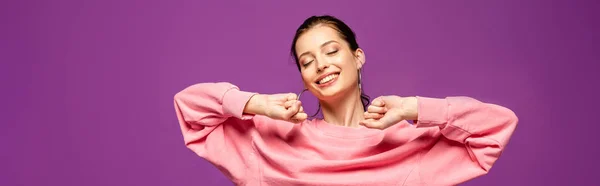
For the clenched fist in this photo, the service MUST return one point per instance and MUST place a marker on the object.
(277, 106)
(386, 111)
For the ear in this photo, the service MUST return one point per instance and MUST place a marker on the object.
(360, 56)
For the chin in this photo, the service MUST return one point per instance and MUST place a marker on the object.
(331, 92)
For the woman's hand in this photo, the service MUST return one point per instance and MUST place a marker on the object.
(277, 106)
(386, 111)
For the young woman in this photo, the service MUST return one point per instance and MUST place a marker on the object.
(267, 139)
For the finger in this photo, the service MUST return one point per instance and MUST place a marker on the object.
(373, 123)
(289, 103)
(376, 109)
(297, 121)
(292, 96)
(378, 102)
(370, 123)
(299, 116)
(301, 109)
(365, 122)
(370, 115)
(292, 110)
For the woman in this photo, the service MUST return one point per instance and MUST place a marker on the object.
(266, 139)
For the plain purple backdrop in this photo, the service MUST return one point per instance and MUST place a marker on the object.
(88, 86)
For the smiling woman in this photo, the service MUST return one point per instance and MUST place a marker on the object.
(330, 62)
(327, 47)
(267, 139)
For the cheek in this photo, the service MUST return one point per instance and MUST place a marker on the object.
(350, 75)
(306, 78)
(348, 66)
(346, 63)
(344, 60)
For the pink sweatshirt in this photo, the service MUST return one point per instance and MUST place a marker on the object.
(455, 140)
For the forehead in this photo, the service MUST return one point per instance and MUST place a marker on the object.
(314, 37)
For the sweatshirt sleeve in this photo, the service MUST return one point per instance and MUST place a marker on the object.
(474, 135)
(214, 126)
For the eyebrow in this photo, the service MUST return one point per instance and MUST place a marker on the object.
(322, 45)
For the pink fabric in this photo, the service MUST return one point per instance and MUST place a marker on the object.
(455, 140)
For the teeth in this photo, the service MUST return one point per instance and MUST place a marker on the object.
(328, 78)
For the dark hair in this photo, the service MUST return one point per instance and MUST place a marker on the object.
(345, 33)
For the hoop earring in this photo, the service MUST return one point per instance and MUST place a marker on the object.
(301, 93)
(318, 106)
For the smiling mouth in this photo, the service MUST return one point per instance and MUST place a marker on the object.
(327, 79)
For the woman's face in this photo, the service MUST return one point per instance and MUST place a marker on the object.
(328, 66)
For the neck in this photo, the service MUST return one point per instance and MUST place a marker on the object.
(345, 110)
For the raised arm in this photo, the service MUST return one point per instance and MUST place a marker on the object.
(474, 136)
(212, 121)
(216, 119)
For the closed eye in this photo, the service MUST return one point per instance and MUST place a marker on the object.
(307, 63)
(332, 52)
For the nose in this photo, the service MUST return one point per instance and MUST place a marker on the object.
(322, 64)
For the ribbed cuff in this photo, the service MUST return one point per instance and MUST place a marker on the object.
(234, 102)
(432, 112)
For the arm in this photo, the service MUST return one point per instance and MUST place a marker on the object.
(474, 136)
(213, 119)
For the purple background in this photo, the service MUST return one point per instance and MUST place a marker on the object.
(87, 86)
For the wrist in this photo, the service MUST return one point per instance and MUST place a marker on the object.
(255, 105)
(411, 108)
